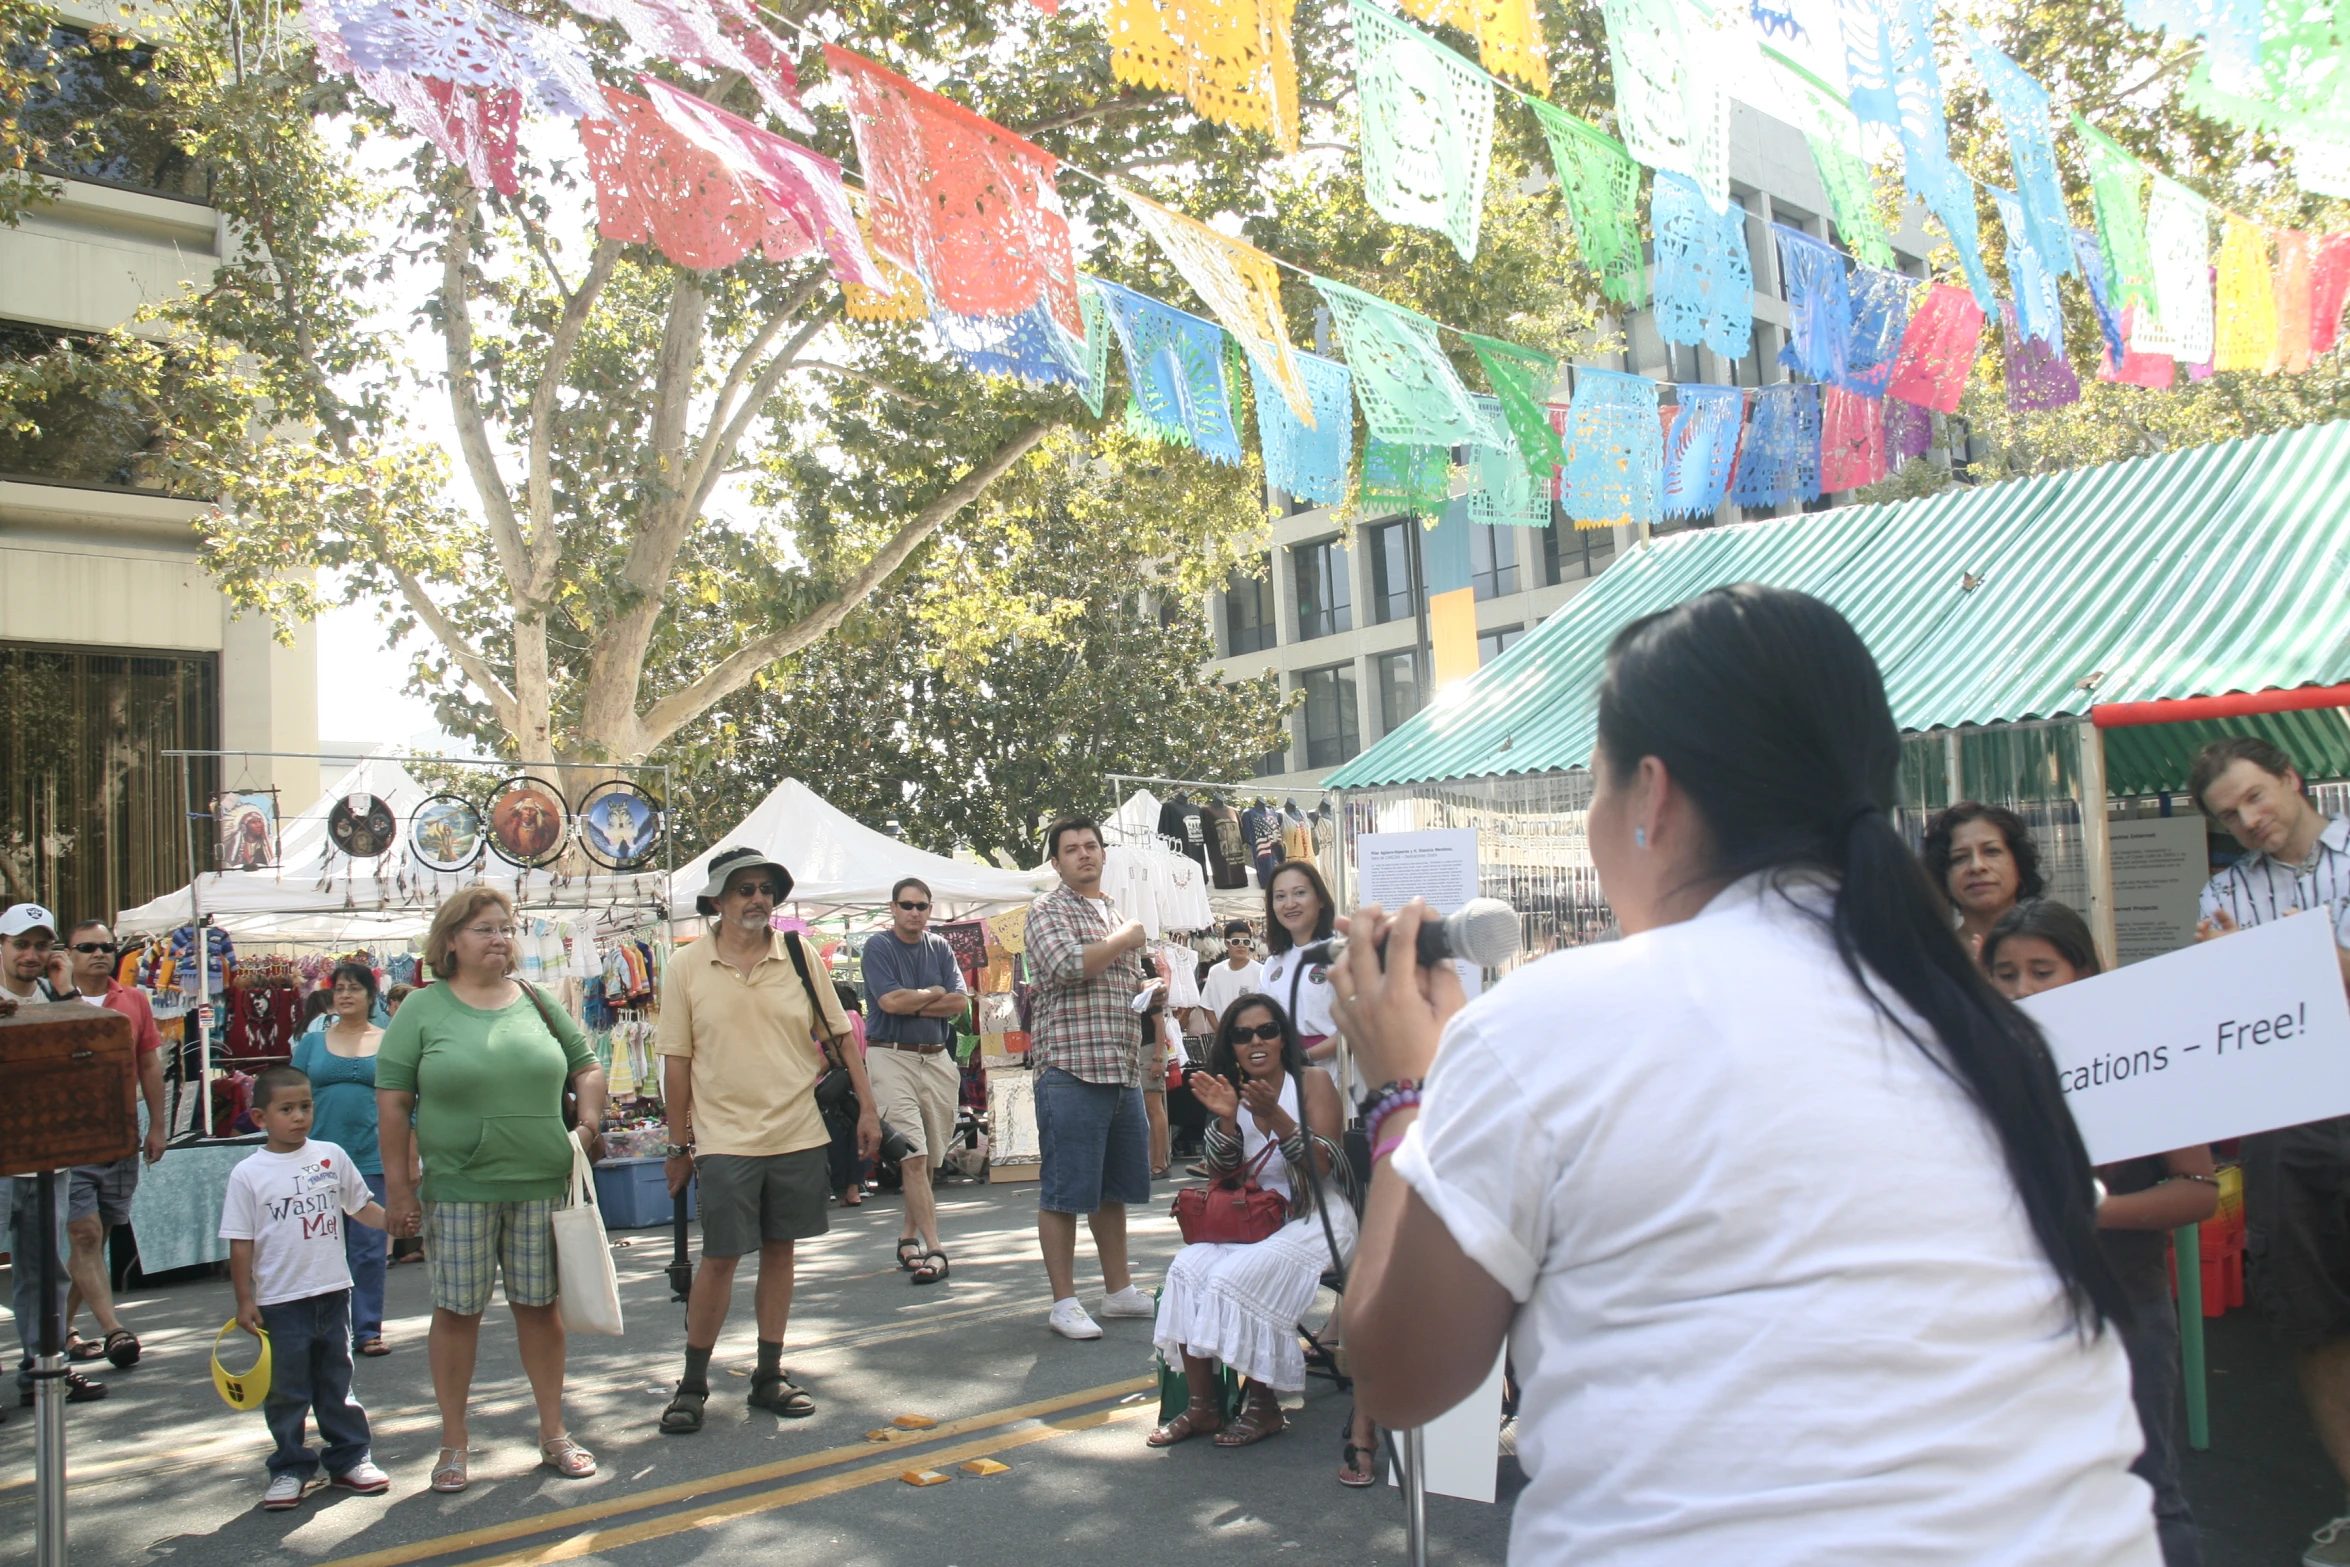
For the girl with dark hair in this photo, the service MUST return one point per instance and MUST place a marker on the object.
(1239, 1305)
(1892, 1354)
(338, 1056)
(1299, 911)
(2038, 946)
(1984, 860)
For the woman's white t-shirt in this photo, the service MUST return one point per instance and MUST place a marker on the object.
(1779, 1302)
(1313, 992)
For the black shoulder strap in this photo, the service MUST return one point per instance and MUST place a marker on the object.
(799, 963)
(540, 1002)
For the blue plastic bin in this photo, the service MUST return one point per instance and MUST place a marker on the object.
(634, 1194)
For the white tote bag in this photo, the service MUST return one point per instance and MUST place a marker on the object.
(589, 1298)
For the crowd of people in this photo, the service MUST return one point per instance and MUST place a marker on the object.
(1778, 1190)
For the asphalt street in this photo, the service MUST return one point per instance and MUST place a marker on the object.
(162, 1471)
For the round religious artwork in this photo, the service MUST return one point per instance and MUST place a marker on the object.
(361, 825)
(619, 825)
(445, 833)
(526, 820)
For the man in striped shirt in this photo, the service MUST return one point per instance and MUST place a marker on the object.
(2296, 1181)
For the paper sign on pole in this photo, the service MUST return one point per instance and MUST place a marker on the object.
(1393, 868)
(2160, 864)
(2244, 1034)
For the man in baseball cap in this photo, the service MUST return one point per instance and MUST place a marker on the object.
(32, 969)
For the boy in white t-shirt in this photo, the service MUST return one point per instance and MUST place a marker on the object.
(283, 1220)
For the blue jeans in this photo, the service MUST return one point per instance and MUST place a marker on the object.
(20, 1212)
(1095, 1142)
(366, 1249)
(310, 1375)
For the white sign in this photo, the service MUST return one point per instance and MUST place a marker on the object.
(1462, 1446)
(1393, 868)
(2244, 1034)
(2160, 864)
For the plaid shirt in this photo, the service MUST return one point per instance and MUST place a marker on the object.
(1086, 1027)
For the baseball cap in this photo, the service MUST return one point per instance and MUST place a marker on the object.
(725, 863)
(22, 917)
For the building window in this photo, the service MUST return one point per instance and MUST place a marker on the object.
(1334, 733)
(1248, 613)
(1492, 644)
(99, 117)
(1493, 560)
(1395, 574)
(1325, 600)
(1569, 553)
(1399, 688)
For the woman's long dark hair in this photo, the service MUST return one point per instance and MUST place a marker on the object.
(2058, 924)
(1277, 937)
(1765, 706)
(2012, 831)
(1224, 1051)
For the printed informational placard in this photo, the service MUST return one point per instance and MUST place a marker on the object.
(2160, 864)
(1393, 868)
(2244, 1034)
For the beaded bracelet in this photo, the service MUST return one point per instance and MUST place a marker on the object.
(1395, 1096)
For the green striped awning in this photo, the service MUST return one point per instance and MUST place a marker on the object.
(2200, 572)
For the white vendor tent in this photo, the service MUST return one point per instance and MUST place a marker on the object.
(838, 864)
(318, 894)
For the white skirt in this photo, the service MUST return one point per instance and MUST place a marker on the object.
(1241, 1304)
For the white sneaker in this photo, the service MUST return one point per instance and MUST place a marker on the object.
(364, 1478)
(2330, 1546)
(1129, 1302)
(1070, 1321)
(285, 1490)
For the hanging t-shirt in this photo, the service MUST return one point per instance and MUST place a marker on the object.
(292, 1206)
(1228, 856)
(1182, 821)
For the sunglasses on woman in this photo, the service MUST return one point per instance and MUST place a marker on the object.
(1267, 1032)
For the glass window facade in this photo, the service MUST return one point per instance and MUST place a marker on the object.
(1493, 560)
(1249, 623)
(1399, 688)
(1569, 553)
(1334, 730)
(1395, 575)
(98, 118)
(1325, 595)
(1492, 644)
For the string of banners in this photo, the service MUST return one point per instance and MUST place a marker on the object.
(959, 225)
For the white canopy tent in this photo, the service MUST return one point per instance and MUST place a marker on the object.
(839, 865)
(318, 894)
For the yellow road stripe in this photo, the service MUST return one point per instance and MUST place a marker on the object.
(596, 1542)
(687, 1490)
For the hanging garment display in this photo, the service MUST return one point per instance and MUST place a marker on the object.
(1700, 446)
(1672, 108)
(1406, 386)
(1852, 440)
(726, 37)
(1400, 478)
(1704, 281)
(1614, 449)
(2115, 183)
(1307, 461)
(2039, 377)
(1427, 128)
(1232, 59)
(2245, 336)
(1601, 185)
(1880, 315)
(1502, 492)
(1508, 34)
(2031, 148)
(1241, 287)
(1819, 305)
(1938, 350)
(1779, 461)
(1174, 372)
(1522, 378)
(2178, 235)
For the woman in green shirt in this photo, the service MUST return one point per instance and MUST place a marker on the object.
(479, 1063)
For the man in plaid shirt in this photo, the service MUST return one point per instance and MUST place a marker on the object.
(1086, 976)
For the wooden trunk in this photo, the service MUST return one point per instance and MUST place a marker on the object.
(71, 1088)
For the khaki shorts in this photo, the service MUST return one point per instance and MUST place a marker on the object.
(917, 1095)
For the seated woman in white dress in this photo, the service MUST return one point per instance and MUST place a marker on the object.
(1240, 1304)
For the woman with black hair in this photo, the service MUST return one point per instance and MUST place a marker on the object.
(2040, 945)
(338, 1056)
(1984, 860)
(1239, 1305)
(1299, 911)
(1776, 1200)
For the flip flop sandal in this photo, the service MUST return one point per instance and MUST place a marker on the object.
(567, 1458)
(683, 1417)
(928, 1274)
(81, 1350)
(778, 1394)
(374, 1346)
(122, 1348)
(909, 1254)
(1349, 1474)
(449, 1473)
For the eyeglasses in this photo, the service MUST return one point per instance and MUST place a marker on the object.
(1267, 1032)
(95, 946)
(1235, 941)
(501, 932)
(916, 907)
(756, 889)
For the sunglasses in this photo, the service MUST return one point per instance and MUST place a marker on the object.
(754, 889)
(1267, 1032)
(1235, 941)
(916, 907)
(96, 946)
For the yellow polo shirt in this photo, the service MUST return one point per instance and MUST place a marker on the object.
(751, 1039)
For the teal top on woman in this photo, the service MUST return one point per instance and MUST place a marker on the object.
(489, 1094)
(343, 1090)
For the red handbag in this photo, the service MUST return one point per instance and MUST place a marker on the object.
(1234, 1211)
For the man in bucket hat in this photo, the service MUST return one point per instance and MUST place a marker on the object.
(741, 1012)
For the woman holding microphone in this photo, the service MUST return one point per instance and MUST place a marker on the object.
(1897, 1351)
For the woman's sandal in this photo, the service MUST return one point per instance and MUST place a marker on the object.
(567, 1458)
(449, 1473)
(81, 1351)
(1349, 1473)
(1192, 1422)
(929, 1274)
(909, 1254)
(374, 1346)
(1259, 1419)
(779, 1395)
(121, 1349)
(683, 1417)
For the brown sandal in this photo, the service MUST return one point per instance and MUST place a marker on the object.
(1261, 1418)
(1192, 1422)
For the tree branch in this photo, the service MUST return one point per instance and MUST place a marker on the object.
(1124, 104)
(717, 452)
(444, 630)
(722, 410)
(874, 381)
(473, 439)
(545, 538)
(732, 673)
(538, 241)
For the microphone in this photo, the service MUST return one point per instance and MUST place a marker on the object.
(1483, 931)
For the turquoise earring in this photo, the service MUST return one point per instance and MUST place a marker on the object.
(1640, 837)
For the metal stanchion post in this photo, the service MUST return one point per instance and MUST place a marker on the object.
(49, 1390)
(1415, 1497)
